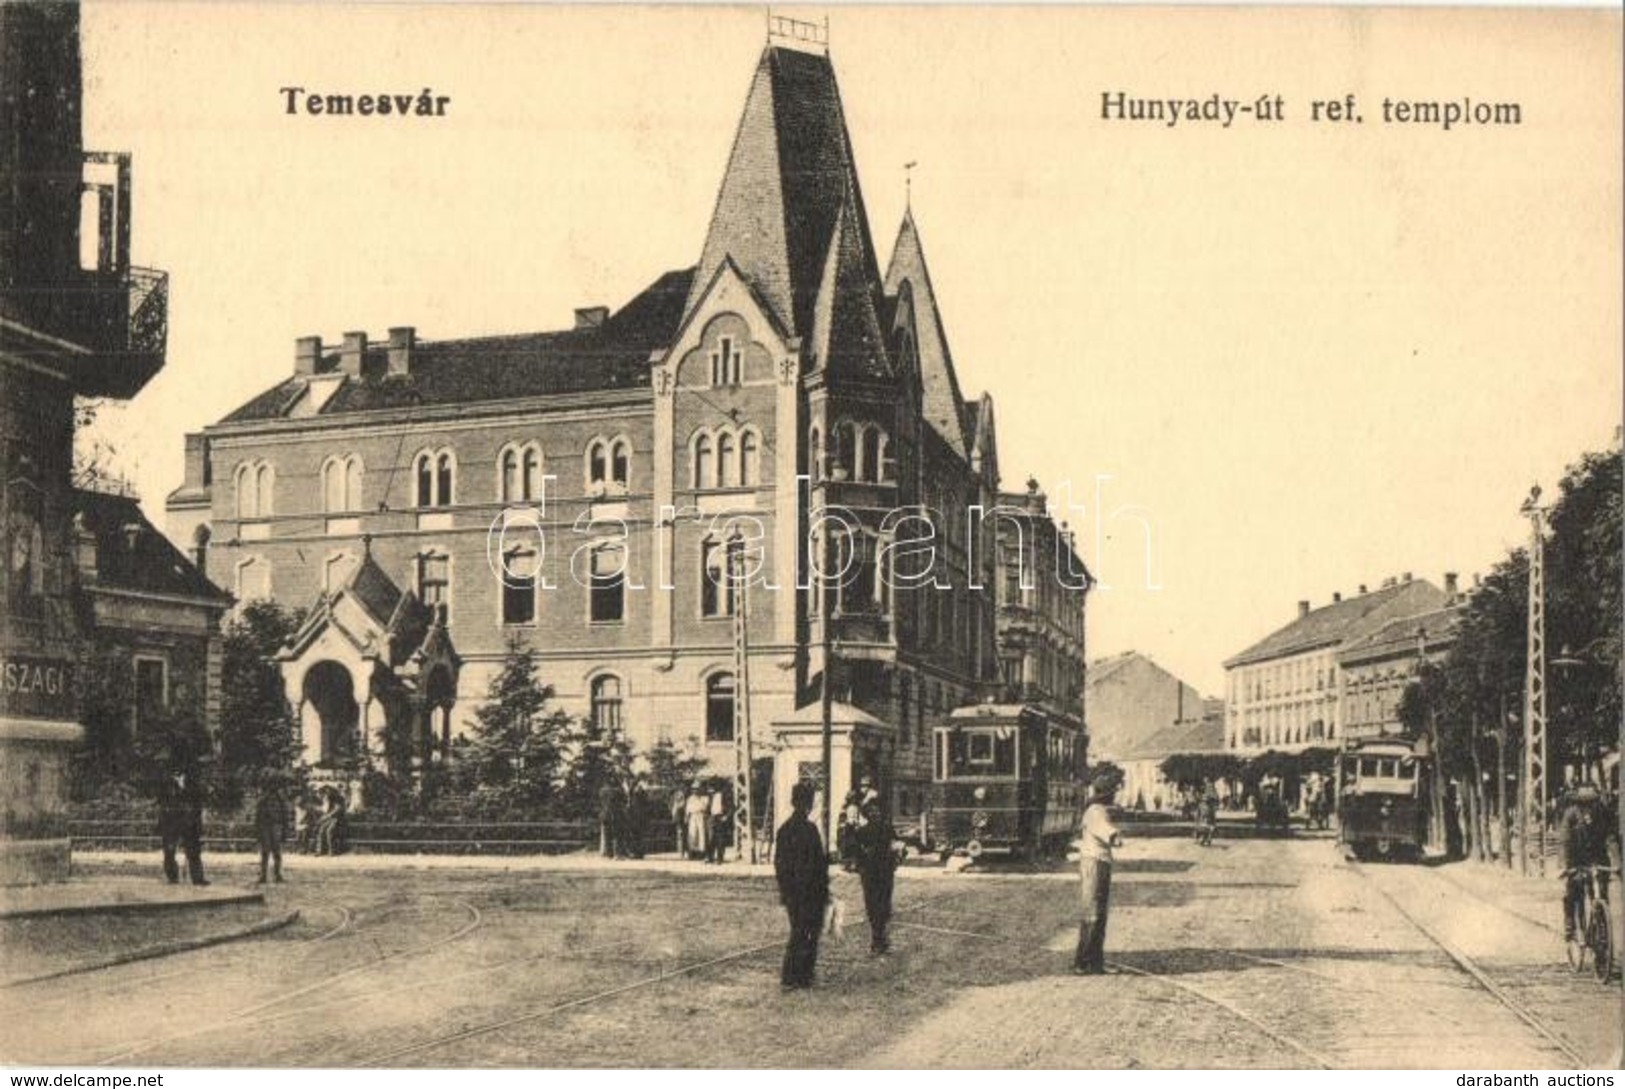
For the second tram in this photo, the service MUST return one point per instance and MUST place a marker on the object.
(1382, 797)
(1007, 779)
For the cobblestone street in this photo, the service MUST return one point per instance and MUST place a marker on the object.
(1252, 953)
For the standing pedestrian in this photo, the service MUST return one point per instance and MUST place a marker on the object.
(180, 820)
(801, 865)
(697, 821)
(270, 822)
(610, 813)
(637, 820)
(679, 820)
(1100, 835)
(877, 870)
(721, 827)
(330, 830)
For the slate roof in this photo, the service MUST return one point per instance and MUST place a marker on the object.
(1206, 735)
(1398, 636)
(614, 355)
(1344, 621)
(790, 214)
(944, 407)
(403, 620)
(141, 560)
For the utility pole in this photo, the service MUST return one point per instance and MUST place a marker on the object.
(826, 695)
(1534, 718)
(744, 837)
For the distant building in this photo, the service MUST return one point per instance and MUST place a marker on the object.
(1377, 668)
(1285, 691)
(1042, 587)
(1144, 786)
(1129, 698)
(76, 318)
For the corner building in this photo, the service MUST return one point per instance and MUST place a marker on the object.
(781, 383)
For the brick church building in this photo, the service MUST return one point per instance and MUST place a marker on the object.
(582, 487)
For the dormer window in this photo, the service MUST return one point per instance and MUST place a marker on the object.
(727, 363)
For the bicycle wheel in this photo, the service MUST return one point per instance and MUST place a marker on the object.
(1601, 940)
(1574, 947)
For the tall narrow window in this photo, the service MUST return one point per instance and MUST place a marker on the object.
(597, 463)
(519, 587)
(705, 470)
(726, 468)
(726, 363)
(434, 581)
(719, 708)
(530, 477)
(606, 703)
(750, 469)
(510, 475)
(265, 484)
(620, 463)
(424, 472)
(607, 589)
(717, 588)
(444, 470)
(248, 503)
(868, 467)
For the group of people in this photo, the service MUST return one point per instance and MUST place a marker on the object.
(702, 819)
(802, 867)
(623, 820)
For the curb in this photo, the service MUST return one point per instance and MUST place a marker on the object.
(166, 949)
(134, 906)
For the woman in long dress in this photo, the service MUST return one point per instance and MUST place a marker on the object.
(697, 816)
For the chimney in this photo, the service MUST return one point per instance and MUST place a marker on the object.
(197, 461)
(200, 548)
(351, 355)
(402, 339)
(1303, 609)
(1362, 589)
(1450, 585)
(1407, 577)
(307, 355)
(1337, 596)
(591, 317)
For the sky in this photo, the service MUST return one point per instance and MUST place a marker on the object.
(1296, 356)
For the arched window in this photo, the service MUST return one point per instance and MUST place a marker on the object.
(727, 469)
(620, 462)
(423, 471)
(248, 503)
(265, 482)
(606, 703)
(717, 590)
(868, 467)
(886, 466)
(341, 485)
(705, 466)
(719, 708)
(508, 475)
(597, 463)
(519, 473)
(750, 469)
(444, 470)
(843, 456)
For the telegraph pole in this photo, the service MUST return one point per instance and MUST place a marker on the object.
(1534, 718)
(744, 836)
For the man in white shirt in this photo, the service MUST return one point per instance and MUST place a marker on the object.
(1100, 835)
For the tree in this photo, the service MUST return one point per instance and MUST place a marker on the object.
(258, 734)
(601, 755)
(671, 769)
(509, 764)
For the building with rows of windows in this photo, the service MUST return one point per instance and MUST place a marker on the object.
(1289, 690)
(782, 405)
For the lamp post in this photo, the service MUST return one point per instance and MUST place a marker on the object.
(1533, 802)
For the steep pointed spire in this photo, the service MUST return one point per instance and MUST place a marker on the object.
(846, 337)
(943, 406)
(790, 181)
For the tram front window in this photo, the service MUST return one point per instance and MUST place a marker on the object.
(974, 753)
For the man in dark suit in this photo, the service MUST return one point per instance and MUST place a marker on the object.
(802, 866)
(180, 821)
(877, 869)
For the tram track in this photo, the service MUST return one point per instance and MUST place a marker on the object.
(476, 919)
(1467, 965)
(556, 1008)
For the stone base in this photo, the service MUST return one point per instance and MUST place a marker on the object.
(33, 861)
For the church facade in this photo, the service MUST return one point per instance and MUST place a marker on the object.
(785, 406)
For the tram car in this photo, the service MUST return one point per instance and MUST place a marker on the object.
(1007, 780)
(1382, 799)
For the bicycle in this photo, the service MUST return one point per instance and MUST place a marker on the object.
(1595, 934)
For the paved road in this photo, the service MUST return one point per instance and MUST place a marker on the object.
(1252, 953)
